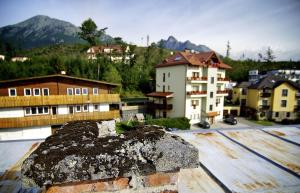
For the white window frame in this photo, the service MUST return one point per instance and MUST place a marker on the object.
(87, 91)
(39, 112)
(69, 107)
(34, 89)
(44, 110)
(95, 89)
(71, 90)
(77, 111)
(77, 89)
(43, 89)
(26, 114)
(25, 91)
(36, 111)
(10, 90)
(87, 109)
(96, 109)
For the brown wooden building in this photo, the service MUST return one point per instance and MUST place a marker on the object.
(32, 107)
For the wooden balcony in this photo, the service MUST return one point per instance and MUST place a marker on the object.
(204, 92)
(40, 120)
(222, 91)
(22, 101)
(193, 78)
(220, 79)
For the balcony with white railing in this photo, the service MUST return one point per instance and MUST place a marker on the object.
(197, 93)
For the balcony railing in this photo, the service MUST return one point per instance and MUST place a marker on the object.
(203, 78)
(264, 107)
(265, 94)
(161, 106)
(21, 101)
(196, 92)
(222, 91)
(223, 79)
(40, 120)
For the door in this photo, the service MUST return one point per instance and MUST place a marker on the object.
(71, 109)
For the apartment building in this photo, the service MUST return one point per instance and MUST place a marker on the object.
(290, 74)
(272, 98)
(190, 85)
(32, 108)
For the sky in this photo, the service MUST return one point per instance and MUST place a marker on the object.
(249, 25)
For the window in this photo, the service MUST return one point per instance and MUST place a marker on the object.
(283, 103)
(169, 74)
(84, 91)
(46, 110)
(27, 111)
(244, 91)
(288, 114)
(211, 94)
(27, 92)
(264, 102)
(36, 92)
(77, 91)
(46, 91)
(164, 114)
(78, 108)
(40, 110)
(218, 100)
(284, 92)
(71, 109)
(210, 107)
(195, 103)
(85, 108)
(33, 111)
(95, 91)
(69, 91)
(212, 80)
(195, 74)
(169, 88)
(54, 110)
(12, 92)
(96, 107)
(164, 77)
(276, 114)
(164, 89)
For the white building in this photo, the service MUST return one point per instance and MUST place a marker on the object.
(19, 59)
(114, 52)
(190, 85)
(2, 57)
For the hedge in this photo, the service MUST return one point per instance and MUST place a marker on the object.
(179, 123)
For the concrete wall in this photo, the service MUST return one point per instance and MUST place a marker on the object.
(11, 112)
(25, 133)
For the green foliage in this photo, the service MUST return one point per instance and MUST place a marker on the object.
(112, 75)
(126, 126)
(89, 31)
(180, 122)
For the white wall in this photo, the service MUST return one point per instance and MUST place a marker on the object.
(63, 109)
(104, 107)
(25, 133)
(11, 112)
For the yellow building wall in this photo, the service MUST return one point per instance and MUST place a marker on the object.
(290, 98)
(236, 94)
(253, 98)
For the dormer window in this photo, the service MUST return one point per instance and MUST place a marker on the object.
(12, 92)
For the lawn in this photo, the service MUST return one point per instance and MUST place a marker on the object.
(263, 123)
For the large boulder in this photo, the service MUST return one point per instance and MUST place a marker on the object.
(77, 152)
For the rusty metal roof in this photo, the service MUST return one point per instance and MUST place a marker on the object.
(244, 160)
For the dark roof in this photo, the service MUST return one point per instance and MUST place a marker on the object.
(271, 82)
(160, 94)
(196, 59)
(57, 76)
(243, 84)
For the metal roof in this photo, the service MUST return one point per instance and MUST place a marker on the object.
(244, 160)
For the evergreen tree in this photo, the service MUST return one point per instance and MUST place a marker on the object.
(89, 31)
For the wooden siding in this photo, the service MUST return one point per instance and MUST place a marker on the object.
(23, 101)
(55, 119)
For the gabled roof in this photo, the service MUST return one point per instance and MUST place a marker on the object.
(243, 84)
(271, 82)
(196, 59)
(37, 78)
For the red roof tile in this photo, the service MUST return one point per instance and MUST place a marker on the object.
(196, 59)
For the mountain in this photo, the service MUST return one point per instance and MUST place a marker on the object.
(41, 30)
(173, 44)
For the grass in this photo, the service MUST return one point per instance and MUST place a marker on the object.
(263, 123)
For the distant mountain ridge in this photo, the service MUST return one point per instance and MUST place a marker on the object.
(173, 44)
(41, 30)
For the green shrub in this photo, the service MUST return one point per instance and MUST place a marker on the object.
(180, 122)
(126, 126)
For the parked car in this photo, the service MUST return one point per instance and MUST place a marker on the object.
(230, 119)
(204, 124)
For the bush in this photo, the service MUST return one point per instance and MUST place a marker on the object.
(180, 122)
(126, 126)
